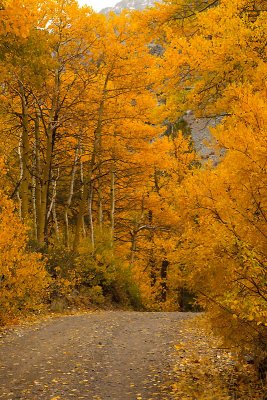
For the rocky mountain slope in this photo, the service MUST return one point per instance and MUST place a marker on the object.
(128, 4)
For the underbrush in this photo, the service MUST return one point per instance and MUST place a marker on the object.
(86, 280)
(207, 371)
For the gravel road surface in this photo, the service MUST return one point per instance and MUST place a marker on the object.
(104, 355)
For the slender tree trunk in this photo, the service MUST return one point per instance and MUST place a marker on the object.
(25, 182)
(45, 191)
(112, 203)
(55, 221)
(163, 276)
(54, 195)
(69, 200)
(79, 222)
(34, 211)
(50, 142)
(94, 157)
(152, 261)
(82, 189)
(134, 232)
(20, 176)
(91, 222)
(100, 205)
(133, 246)
(37, 174)
(36, 178)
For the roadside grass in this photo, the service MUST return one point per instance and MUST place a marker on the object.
(206, 371)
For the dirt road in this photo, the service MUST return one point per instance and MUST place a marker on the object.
(103, 355)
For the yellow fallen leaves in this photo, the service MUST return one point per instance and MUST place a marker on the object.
(179, 346)
(205, 371)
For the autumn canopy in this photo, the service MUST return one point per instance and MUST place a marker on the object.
(106, 195)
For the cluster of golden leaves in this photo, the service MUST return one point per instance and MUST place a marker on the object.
(23, 278)
(216, 58)
(209, 223)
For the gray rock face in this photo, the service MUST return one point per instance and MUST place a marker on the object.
(203, 141)
(205, 144)
(128, 4)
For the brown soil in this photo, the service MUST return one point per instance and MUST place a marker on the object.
(104, 355)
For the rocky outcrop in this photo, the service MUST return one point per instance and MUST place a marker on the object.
(128, 4)
(204, 143)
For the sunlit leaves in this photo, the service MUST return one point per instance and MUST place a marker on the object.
(23, 278)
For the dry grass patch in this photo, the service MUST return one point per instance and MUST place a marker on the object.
(206, 371)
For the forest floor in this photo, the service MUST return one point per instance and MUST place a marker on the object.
(118, 355)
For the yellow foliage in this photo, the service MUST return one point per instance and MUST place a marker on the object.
(15, 18)
(214, 63)
(224, 241)
(23, 278)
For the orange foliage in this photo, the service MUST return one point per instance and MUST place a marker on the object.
(23, 278)
(221, 70)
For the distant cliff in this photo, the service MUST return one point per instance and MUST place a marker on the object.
(128, 4)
